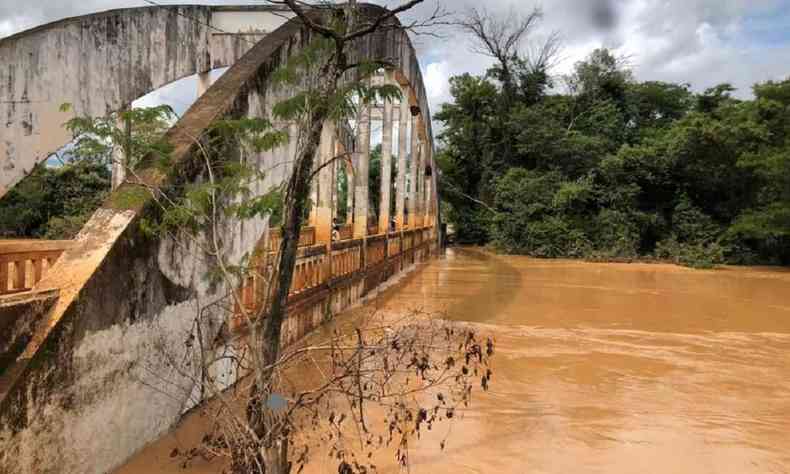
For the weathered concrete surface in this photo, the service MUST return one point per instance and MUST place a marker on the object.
(19, 315)
(107, 372)
(102, 62)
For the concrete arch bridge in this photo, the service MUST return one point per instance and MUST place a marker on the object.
(80, 320)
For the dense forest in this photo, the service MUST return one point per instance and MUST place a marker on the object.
(613, 168)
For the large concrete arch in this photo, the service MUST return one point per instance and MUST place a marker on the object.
(74, 401)
(102, 62)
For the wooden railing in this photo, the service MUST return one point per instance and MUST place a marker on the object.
(376, 250)
(23, 263)
(373, 229)
(394, 244)
(321, 267)
(309, 273)
(408, 240)
(306, 238)
(345, 232)
(346, 258)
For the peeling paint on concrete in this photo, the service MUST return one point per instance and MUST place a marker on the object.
(100, 63)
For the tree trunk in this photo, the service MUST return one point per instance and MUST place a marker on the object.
(274, 449)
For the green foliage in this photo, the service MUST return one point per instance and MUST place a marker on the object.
(256, 134)
(54, 203)
(133, 134)
(304, 72)
(536, 214)
(619, 169)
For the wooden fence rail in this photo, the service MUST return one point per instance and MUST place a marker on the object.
(345, 232)
(319, 265)
(306, 238)
(23, 263)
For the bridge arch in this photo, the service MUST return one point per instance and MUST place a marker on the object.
(102, 62)
(121, 292)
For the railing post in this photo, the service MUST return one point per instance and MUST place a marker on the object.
(20, 267)
(4, 276)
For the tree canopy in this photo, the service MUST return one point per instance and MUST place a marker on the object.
(616, 168)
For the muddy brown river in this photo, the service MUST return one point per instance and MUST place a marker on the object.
(605, 368)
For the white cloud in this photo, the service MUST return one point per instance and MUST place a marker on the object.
(436, 78)
(702, 42)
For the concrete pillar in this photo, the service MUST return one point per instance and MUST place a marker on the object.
(120, 158)
(322, 210)
(386, 169)
(420, 188)
(414, 171)
(313, 198)
(335, 205)
(351, 189)
(118, 169)
(203, 82)
(427, 209)
(403, 150)
(361, 175)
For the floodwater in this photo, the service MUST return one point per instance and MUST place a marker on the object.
(611, 368)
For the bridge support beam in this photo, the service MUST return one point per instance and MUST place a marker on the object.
(400, 180)
(203, 82)
(414, 171)
(323, 211)
(428, 210)
(120, 151)
(386, 169)
(361, 173)
(420, 188)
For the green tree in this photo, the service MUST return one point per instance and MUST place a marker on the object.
(54, 202)
(652, 168)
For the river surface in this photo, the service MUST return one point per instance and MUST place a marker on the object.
(609, 368)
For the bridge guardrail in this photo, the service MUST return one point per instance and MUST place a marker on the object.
(345, 232)
(306, 237)
(321, 265)
(23, 263)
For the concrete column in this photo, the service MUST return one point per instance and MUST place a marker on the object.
(120, 155)
(420, 188)
(351, 189)
(361, 175)
(386, 169)
(414, 171)
(203, 82)
(334, 204)
(313, 198)
(427, 209)
(322, 210)
(403, 150)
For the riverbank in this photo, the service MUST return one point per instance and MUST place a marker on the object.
(641, 259)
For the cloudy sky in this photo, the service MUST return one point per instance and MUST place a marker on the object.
(702, 42)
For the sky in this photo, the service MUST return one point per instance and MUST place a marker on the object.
(700, 42)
